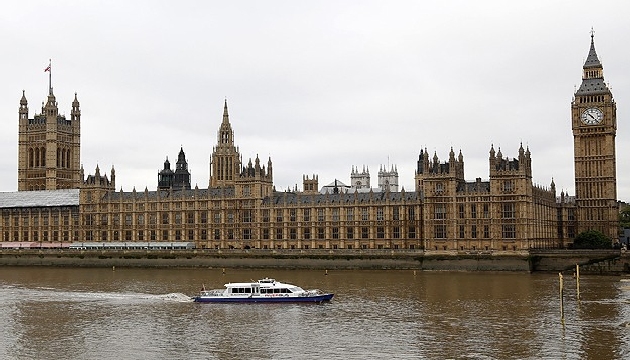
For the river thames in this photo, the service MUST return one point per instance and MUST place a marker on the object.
(129, 313)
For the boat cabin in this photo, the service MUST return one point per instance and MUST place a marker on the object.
(262, 287)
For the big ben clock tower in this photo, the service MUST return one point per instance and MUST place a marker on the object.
(594, 123)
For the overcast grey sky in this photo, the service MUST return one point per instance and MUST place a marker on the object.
(318, 86)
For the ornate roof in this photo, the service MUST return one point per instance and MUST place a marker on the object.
(593, 78)
(592, 61)
(593, 87)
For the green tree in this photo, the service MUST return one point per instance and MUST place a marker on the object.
(592, 239)
(624, 218)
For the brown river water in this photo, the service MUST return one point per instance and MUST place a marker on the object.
(129, 313)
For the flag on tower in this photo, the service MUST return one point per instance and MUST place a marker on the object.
(48, 69)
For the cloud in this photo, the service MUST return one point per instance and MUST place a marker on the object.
(318, 87)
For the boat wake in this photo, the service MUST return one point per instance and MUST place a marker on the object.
(48, 294)
(175, 297)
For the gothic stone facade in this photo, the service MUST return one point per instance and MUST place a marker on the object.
(594, 124)
(241, 209)
(49, 147)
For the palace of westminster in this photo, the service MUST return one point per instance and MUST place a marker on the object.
(240, 208)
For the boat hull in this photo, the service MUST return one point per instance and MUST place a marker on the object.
(260, 299)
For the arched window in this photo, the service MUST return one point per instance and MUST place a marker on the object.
(36, 156)
(42, 154)
(68, 159)
(30, 158)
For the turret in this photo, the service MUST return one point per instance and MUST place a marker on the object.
(181, 180)
(98, 182)
(112, 177)
(23, 112)
(420, 164)
(310, 186)
(165, 176)
(75, 114)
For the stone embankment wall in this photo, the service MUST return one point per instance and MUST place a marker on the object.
(595, 262)
(268, 259)
(590, 261)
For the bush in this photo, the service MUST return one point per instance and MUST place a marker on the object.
(592, 239)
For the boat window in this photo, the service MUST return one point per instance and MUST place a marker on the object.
(276, 291)
(248, 290)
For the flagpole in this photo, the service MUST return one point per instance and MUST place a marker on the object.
(50, 92)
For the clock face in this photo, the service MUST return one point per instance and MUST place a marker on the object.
(592, 116)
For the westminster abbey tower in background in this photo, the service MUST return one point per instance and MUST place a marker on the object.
(240, 208)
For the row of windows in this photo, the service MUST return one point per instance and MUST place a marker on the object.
(363, 232)
(44, 236)
(336, 233)
(508, 186)
(337, 214)
(247, 234)
(293, 213)
(176, 205)
(474, 248)
(246, 216)
(592, 98)
(141, 235)
(248, 290)
(508, 231)
(37, 219)
(37, 157)
(440, 211)
(590, 74)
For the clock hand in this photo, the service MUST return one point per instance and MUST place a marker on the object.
(592, 117)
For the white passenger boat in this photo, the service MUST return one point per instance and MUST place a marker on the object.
(264, 290)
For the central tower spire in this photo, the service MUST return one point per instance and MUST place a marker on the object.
(226, 135)
(225, 162)
(226, 116)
